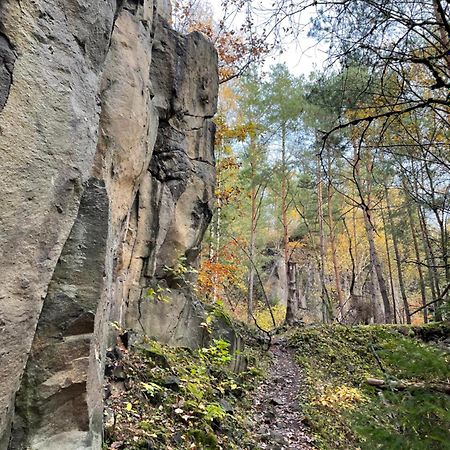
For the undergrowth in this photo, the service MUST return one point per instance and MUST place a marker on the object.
(173, 398)
(345, 412)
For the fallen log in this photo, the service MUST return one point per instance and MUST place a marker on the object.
(402, 386)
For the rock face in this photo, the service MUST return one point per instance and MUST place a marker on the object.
(106, 152)
(276, 285)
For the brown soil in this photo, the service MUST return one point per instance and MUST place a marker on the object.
(277, 418)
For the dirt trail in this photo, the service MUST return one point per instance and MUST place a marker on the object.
(277, 416)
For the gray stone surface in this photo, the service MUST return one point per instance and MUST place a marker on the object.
(55, 379)
(106, 152)
(275, 282)
(48, 138)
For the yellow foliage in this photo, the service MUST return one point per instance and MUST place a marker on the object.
(340, 397)
(264, 318)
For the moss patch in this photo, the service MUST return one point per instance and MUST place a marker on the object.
(345, 412)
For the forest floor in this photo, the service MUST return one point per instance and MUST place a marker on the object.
(310, 391)
(277, 417)
(375, 386)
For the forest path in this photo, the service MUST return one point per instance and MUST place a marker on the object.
(277, 417)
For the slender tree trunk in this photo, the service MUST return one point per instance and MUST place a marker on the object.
(431, 260)
(418, 259)
(251, 274)
(337, 274)
(391, 278)
(443, 236)
(355, 234)
(377, 316)
(352, 283)
(290, 305)
(377, 266)
(441, 220)
(397, 259)
(439, 14)
(357, 261)
(217, 236)
(217, 225)
(369, 226)
(444, 249)
(322, 249)
(284, 218)
(432, 264)
(211, 242)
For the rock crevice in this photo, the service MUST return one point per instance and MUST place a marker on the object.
(7, 58)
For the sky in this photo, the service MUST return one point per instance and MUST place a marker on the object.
(301, 56)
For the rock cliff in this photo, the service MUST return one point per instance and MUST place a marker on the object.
(107, 180)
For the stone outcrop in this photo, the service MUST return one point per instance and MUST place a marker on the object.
(106, 152)
(275, 282)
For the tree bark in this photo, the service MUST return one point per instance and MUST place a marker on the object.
(366, 206)
(377, 267)
(322, 249)
(253, 224)
(431, 262)
(440, 215)
(291, 300)
(391, 278)
(216, 235)
(337, 274)
(398, 385)
(398, 259)
(369, 226)
(418, 259)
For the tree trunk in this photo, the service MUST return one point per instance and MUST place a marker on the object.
(391, 278)
(366, 206)
(325, 302)
(290, 305)
(440, 216)
(217, 236)
(397, 259)
(369, 226)
(352, 281)
(337, 274)
(444, 388)
(443, 237)
(251, 274)
(284, 218)
(216, 233)
(377, 266)
(431, 262)
(418, 259)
